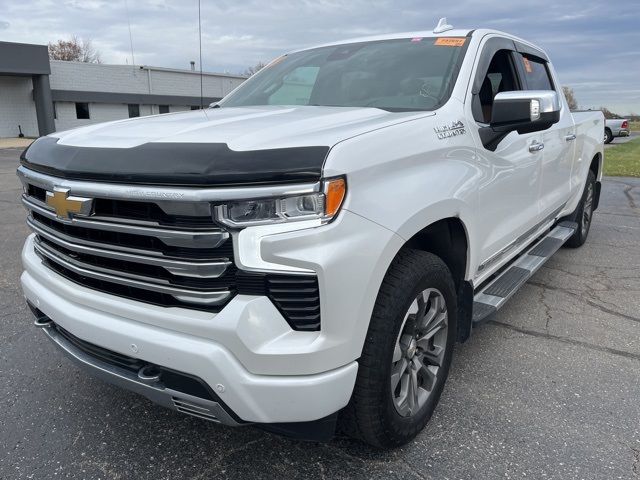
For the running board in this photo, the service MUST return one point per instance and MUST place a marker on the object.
(496, 293)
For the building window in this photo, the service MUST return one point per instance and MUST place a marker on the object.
(82, 111)
(195, 107)
(163, 108)
(134, 110)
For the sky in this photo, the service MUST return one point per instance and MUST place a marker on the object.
(593, 44)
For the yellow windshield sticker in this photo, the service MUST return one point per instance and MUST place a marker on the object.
(450, 41)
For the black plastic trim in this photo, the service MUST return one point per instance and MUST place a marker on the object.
(178, 164)
(321, 430)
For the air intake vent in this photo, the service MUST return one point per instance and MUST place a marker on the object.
(191, 408)
(297, 297)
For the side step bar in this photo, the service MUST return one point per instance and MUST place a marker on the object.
(496, 293)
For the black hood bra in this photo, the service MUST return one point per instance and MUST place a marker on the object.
(177, 164)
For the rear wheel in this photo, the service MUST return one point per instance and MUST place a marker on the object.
(584, 213)
(608, 136)
(406, 357)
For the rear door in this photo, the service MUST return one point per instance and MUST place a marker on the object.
(558, 140)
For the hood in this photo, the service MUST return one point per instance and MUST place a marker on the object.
(220, 146)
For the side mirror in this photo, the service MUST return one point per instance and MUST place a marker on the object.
(525, 111)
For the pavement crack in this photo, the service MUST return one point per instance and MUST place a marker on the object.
(627, 193)
(569, 341)
(547, 309)
(593, 304)
(635, 468)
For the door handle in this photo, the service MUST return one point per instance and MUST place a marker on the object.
(535, 146)
(570, 137)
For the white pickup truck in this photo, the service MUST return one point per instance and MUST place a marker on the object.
(305, 254)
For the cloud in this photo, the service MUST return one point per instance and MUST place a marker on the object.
(594, 53)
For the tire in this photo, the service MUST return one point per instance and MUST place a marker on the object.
(608, 136)
(583, 213)
(377, 413)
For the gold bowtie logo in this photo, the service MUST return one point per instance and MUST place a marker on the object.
(66, 206)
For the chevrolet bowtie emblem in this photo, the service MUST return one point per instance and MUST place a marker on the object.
(66, 206)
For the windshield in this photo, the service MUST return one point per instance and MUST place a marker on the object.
(395, 75)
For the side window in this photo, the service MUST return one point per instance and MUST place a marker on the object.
(500, 77)
(296, 88)
(536, 73)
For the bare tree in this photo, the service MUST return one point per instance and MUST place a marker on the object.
(571, 98)
(608, 113)
(74, 50)
(253, 70)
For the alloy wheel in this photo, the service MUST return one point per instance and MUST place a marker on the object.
(419, 352)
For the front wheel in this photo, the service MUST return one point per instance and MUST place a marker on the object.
(408, 350)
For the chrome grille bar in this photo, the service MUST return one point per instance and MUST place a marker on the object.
(155, 194)
(177, 267)
(201, 297)
(177, 238)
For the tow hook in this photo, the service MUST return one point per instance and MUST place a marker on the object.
(42, 322)
(149, 374)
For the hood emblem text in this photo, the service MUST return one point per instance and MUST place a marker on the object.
(449, 130)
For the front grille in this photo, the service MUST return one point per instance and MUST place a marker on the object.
(164, 252)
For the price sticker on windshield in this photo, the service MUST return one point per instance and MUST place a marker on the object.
(450, 41)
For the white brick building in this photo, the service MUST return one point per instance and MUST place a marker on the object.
(40, 96)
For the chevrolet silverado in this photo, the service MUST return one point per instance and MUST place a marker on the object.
(304, 254)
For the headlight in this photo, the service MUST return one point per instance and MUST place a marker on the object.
(321, 205)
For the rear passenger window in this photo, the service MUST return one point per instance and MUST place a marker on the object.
(536, 74)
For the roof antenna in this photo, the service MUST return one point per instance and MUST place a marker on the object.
(200, 40)
(133, 59)
(442, 26)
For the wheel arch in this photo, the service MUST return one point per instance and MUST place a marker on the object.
(448, 239)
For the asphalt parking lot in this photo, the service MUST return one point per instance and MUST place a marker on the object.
(549, 389)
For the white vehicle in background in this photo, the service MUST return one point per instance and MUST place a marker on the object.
(307, 252)
(615, 127)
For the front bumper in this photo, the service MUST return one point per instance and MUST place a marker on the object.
(150, 385)
(262, 371)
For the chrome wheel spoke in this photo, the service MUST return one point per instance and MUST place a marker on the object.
(397, 372)
(413, 391)
(433, 355)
